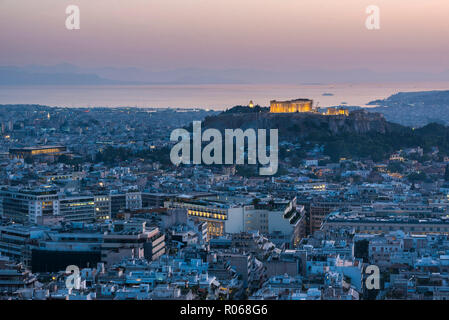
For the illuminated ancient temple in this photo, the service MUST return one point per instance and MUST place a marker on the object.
(297, 105)
(337, 111)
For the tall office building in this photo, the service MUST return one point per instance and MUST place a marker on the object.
(102, 207)
(77, 208)
(29, 205)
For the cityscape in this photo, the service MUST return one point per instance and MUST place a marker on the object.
(299, 196)
(94, 189)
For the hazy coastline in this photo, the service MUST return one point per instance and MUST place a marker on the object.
(216, 97)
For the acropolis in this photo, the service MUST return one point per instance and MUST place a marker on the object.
(298, 105)
(302, 105)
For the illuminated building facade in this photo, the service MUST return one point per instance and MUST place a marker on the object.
(283, 218)
(29, 152)
(303, 105)
(77, 209)
(290, 106)
(102, 207)
(213, 213)
(29, 205)
(43, 204)
(337, 111)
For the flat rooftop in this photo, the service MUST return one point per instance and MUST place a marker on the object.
(37, 148)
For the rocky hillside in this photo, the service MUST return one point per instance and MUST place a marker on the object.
(303, 125)
(362, 134)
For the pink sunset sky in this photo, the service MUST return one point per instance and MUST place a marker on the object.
(260, 34)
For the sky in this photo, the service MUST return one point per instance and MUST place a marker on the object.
(275, 35)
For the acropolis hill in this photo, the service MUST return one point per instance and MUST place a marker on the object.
(300, 124)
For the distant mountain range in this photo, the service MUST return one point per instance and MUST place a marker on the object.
(14, 76)
(68, 74)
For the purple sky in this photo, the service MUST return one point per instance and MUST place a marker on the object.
(259, 34)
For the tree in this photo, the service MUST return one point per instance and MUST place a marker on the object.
(395, 166)
(421, 176)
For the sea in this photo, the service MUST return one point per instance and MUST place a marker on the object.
(212, 97)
